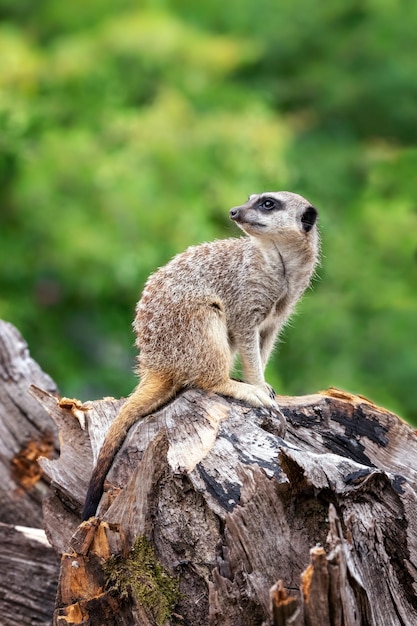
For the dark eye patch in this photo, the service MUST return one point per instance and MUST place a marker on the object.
(268, 204)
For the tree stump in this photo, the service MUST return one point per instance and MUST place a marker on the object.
(214, 515)
(29, 567)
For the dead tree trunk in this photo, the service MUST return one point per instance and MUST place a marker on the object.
(211, 517)
(29, 566)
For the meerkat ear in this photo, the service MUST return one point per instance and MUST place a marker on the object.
(308, 219)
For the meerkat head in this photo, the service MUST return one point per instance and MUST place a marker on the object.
(275, 215)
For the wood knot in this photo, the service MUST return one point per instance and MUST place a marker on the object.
(25, 467)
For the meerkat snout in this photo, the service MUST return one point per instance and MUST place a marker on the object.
(234, 213)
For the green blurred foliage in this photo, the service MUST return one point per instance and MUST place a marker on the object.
(128, 129)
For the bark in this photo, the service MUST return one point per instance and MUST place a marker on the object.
(314, 528)
(29, 567)
(29, 570)
(26, 432)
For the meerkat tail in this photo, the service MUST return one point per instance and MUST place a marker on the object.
(151, 393)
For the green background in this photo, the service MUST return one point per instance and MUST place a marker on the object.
(127, 131)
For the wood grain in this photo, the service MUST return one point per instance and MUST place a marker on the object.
(303, 516)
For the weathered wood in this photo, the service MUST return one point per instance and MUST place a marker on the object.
(315, 528)
(26, 432)
(231, 507)
(285, 609)
(29, 570)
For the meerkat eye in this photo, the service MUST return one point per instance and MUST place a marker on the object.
(267, 203)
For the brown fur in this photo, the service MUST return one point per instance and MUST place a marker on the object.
(211, 302)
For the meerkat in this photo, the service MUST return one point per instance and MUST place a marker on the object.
(210, 302)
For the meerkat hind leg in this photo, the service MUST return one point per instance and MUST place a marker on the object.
(252, 394)
(211, 369)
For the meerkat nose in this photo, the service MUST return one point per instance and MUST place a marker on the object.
(234, 213)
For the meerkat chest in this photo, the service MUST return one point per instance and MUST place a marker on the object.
(278, 280)
(258, 299)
